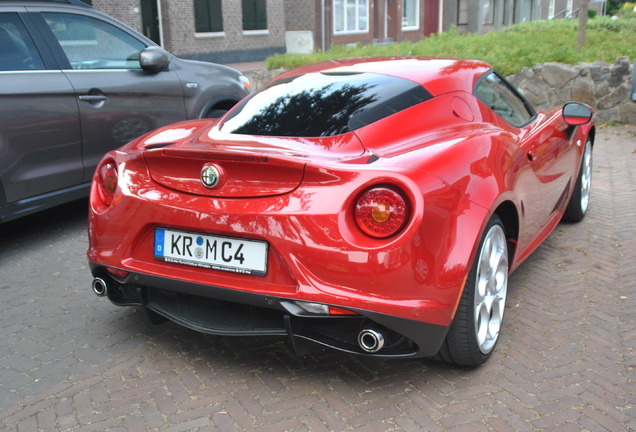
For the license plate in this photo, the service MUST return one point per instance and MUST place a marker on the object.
(212, 252)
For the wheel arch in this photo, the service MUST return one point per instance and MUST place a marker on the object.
(592, 134)
(587, 131)
(225, 102)
(509, 215)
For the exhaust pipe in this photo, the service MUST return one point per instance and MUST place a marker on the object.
(370, 340)
(100, 287)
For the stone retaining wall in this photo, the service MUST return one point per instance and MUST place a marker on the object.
(260, 77)
(604, 86)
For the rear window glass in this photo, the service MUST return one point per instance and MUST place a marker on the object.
(323, 104)
(17, 51)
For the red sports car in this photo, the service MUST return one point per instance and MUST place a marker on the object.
(375, 206)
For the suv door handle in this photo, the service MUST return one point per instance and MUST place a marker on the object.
(93, 98)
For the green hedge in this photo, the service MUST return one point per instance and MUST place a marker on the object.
(508, 50)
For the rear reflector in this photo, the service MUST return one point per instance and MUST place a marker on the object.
(323, 309)
(119, 274)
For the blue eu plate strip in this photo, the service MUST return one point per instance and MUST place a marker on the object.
(159, 238)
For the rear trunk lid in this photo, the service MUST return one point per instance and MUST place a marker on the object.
(243, 165)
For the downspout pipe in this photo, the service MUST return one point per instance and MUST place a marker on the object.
(634, 82)
(322, 16)
(160, 23)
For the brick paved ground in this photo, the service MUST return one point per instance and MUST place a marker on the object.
(566, 360)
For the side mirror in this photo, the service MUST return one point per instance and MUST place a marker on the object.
(153, 59)
(577, 113)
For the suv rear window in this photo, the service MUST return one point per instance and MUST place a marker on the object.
(323, 104)
(17, 51)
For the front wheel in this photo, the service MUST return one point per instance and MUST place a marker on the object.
(475, 330)
(577, 207)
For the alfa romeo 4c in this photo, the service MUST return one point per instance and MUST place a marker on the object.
(374, 206)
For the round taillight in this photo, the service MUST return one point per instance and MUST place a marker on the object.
(107, 183)
(381, 212)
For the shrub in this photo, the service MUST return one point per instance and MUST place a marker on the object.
(613, 6)
(508, 50)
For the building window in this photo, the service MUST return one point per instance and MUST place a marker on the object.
(526, 11)
(462, 12)
(208, 16)
(254, 15)
(489, 11)
(351, 16)
(411, 15)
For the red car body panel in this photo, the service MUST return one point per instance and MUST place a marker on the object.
(455, 160)
(437, 75)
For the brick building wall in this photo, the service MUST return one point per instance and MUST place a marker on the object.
(127, 11)
(231, 45)
(300, 15)
(235, 45)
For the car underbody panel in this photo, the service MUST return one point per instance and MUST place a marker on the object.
(221, 311)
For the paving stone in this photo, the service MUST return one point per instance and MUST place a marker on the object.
(8, 398)
(19, 363)
(566, 359)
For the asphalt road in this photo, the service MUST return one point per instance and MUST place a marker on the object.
(566, 359)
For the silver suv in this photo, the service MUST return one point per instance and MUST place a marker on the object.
(77, 83)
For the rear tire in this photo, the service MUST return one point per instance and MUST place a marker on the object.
(579, 202)
(475, 330)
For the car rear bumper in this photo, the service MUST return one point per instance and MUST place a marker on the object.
(221, 311)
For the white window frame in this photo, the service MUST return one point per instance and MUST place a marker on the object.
(345, 16)
(209, 35)
(417, 16)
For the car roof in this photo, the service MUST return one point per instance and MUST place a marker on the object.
(437, 75)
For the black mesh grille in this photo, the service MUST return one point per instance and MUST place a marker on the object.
(215, 316)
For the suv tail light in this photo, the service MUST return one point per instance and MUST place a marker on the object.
(381, 212)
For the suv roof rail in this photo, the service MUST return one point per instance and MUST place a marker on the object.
(73, 2)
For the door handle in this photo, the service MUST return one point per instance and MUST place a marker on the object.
(93, 98)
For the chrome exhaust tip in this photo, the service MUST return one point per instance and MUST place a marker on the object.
(370, 340)
(100, 287)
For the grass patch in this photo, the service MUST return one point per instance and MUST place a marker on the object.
(508, 50)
